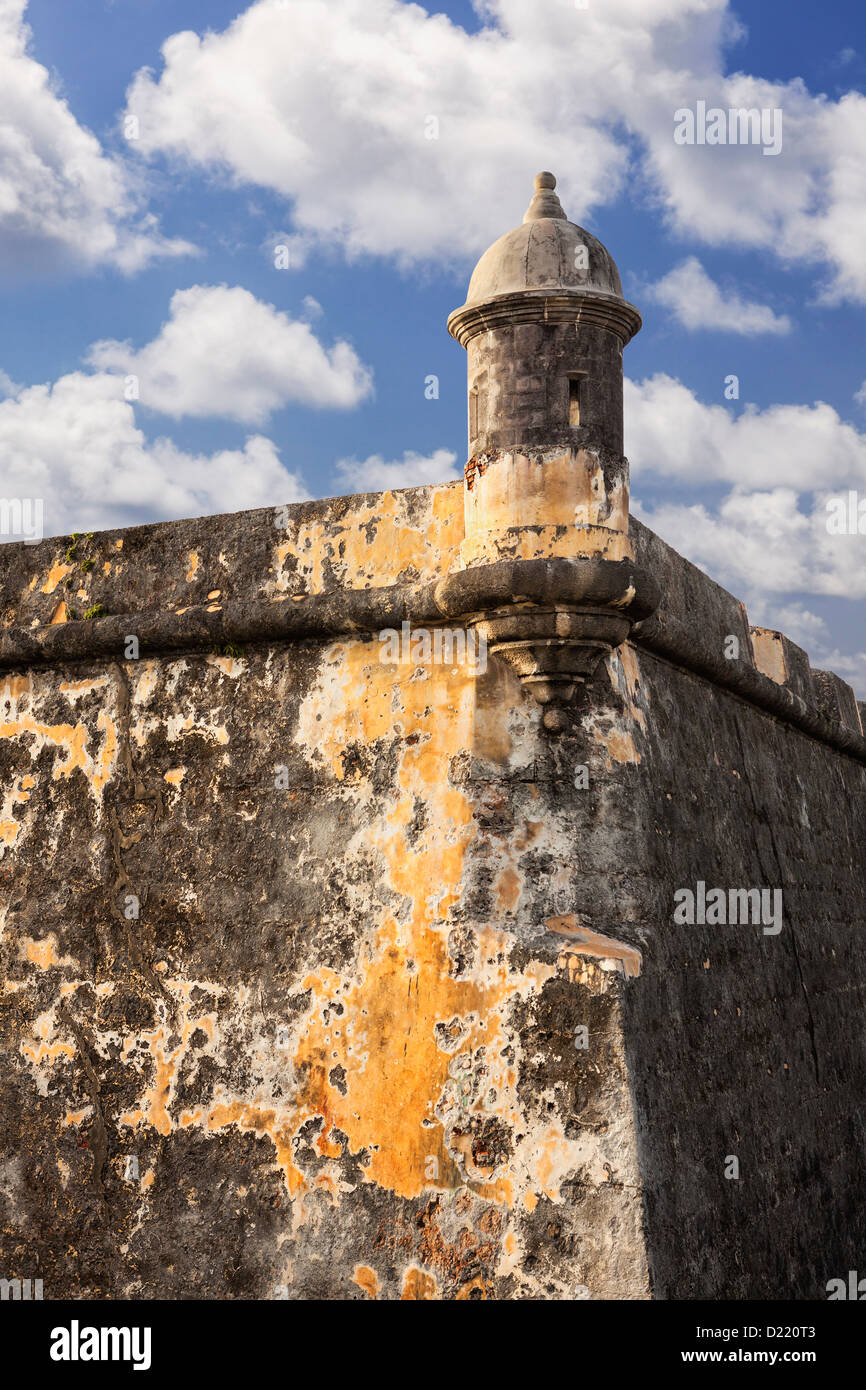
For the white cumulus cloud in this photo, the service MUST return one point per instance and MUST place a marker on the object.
(393, 131)
(61, 195)
(763, 543)
(374, 474)
(697, 302)
(769, 475)
(675, 435)
(390, 130)
(224, 353)
(75, 444)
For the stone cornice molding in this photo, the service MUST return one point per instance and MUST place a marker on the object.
(540, 306)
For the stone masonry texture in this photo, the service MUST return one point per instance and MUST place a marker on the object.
(336, 1054)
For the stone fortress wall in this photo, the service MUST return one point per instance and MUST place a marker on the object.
(336, 969)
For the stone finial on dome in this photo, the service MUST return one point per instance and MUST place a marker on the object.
(545, 202)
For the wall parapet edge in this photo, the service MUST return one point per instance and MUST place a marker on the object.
(696, 646)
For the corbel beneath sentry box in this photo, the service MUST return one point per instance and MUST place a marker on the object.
(552, 618)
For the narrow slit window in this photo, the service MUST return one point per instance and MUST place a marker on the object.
(473, 414)
(574, 402)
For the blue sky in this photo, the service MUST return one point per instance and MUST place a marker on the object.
(303, 124)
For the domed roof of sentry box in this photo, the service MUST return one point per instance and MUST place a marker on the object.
(546, 268)
(544, 253)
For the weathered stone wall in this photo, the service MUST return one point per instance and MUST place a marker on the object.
(334, 1054)
(742, 1042)
(519, 376)
(338, 1052)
